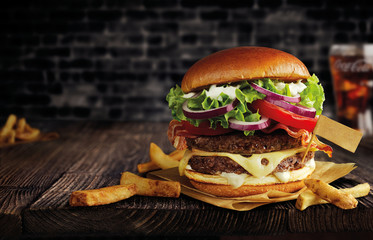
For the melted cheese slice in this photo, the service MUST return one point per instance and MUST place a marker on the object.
(251, 164)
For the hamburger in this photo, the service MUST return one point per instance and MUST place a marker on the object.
(245, 116)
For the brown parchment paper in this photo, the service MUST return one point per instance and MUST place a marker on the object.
(325, 171)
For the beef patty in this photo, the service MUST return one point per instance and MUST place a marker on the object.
(219, 164)
(238, 143)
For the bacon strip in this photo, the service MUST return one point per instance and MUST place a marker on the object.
(322, 146)
(304, 134)
(292, 132)
(172, 127)
(177, 133)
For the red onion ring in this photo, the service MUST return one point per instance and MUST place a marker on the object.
(274, 95)
(297, 109)
(249, 126)
(204, 114)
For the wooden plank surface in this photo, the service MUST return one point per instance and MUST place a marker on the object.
(36, 180)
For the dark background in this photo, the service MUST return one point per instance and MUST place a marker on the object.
(116, 60)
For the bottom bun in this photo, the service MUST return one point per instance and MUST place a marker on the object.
(246, 190)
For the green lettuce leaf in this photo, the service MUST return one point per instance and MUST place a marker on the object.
(313, 95)
(270, 85)
(175, 101)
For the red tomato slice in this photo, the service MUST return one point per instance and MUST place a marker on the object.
(284, 116)
(204, 129)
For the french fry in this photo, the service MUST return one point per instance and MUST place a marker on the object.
(146, 167)
(21, 124)
(102, 196)
(50, 136)
(29, 133)
(149, 187)
(161, 159)
(330, 194)
(177, 154)
(158, 158)
(11, 138)
(359, 190)
(10, 122)
(308, 198)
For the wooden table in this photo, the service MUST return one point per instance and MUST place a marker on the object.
(36, 180)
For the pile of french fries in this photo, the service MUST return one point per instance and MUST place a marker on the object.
(14, 131)
(319, 192)
(132, 184)
(160, 160)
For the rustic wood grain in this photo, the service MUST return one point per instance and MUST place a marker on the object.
(12, 201)
(331, 219)
(10, 224)
(158, 221)
(36, 180)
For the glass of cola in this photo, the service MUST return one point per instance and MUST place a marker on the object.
(351, 66)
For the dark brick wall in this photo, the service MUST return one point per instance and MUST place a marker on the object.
(117, 59)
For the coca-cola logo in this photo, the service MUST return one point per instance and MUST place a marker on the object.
(358, 66)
